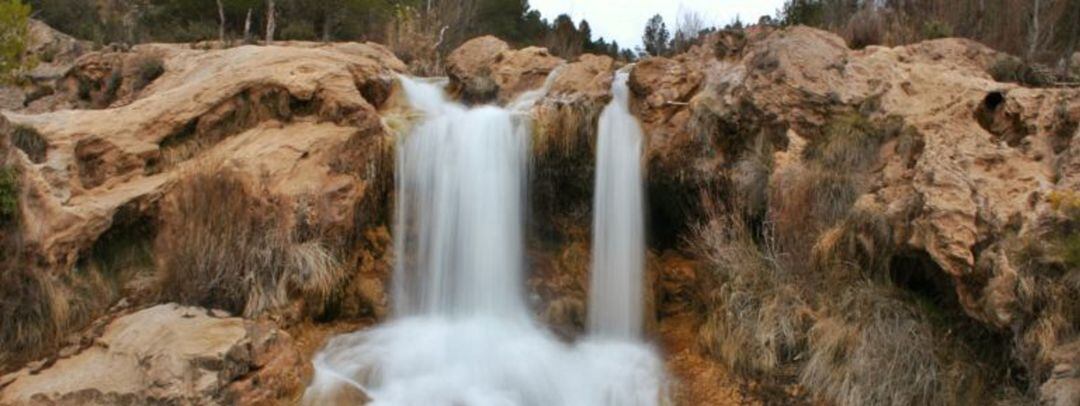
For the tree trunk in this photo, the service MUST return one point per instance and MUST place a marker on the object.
(1074, 32)
(221, 21)
(247, 27)
(270, 27)
(1033, 33)
(327, 23)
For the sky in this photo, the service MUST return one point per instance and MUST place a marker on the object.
(624, 20)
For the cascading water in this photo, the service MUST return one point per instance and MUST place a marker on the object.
(618, 254)
(461, 333)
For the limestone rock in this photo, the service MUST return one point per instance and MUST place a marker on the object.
(470, 68)
(485, 69)
(166, 354)
(208, 108)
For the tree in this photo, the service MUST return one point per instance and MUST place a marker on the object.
(563, 39)
(221, 17)
(14, 35)
(656, 36)
(270, 24)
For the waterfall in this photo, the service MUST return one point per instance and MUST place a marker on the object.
(460, 177)
(618, 253)
(461, 333)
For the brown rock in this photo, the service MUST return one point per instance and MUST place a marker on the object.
(167, 353)
(209, 106)
(522, 70)
(485, 69)
(470, 68)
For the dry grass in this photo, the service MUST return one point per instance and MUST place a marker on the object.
(30, 142)
(807, 295)
(879, 345)
(233, 249)
(756, 315)
(806, 201)
(861, 245)
(849, 142)
(34, 313)
(866, 27)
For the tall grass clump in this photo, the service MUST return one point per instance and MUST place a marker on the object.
(877, 345)
(229, 246)
(31, 310)
(30, 142)
(755, 311)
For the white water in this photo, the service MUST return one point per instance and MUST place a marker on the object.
(461, 333)
(618, 253)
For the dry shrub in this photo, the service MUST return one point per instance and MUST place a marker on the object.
(756, 316)
(878, 346)
(806, 201)
(30, 142)
(750, 178)
(33, 312)
(147, 69)
(228, 246)
(848, 142)
(1048, 291)
(415, 37)
(862, 243)
(866, 27)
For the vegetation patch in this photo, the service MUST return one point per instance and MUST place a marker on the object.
(30, 142)
(232, 248)
(9, 196)
(147, 69)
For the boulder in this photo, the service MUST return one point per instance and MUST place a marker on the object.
(485, 69)
(167, 354)
(470, 68)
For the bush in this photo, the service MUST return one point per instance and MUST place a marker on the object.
(935, 29)
(1006, 69)
(148, 69)
(14, 37)
(756, 317)
(865, 28)
(9, 196)
(30, 142)
(1014, 70)
(849, 142)
(878, 346)
(32, 310)
(227, 246)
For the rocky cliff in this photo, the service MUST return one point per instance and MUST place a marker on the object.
(908, 170)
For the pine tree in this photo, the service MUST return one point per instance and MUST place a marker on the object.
(656, 36)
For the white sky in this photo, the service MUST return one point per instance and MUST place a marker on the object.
(624, 20)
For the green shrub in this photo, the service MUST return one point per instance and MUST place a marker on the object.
(935, 29)
(14, 37)
(848, 142)
(1014, 70)
(1006, 69)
